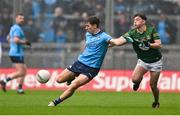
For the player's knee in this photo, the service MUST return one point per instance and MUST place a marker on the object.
(59, 79)
(74, 85)
(153, 86)
(135, 80)
(22, 73)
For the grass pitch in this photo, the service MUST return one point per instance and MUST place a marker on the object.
(88, 103)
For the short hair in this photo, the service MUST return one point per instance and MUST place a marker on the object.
(19, 14)
(93, 20)
(142, 15)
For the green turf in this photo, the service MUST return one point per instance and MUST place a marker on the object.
(88, 103)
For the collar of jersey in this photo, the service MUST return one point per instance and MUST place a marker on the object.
(143, 30)
(97, 33)
(17, 24)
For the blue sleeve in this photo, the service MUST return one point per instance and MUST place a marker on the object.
(108, 38)
(17, 33)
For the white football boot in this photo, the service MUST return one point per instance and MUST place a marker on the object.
(51, 104)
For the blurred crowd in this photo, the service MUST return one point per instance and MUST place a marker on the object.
(62, 21)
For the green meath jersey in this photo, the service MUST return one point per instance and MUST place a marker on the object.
(149, 35)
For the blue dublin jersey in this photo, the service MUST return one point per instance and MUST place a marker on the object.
(95, 50)
(15, 48)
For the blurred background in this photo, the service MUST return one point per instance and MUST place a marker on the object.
(55, 27)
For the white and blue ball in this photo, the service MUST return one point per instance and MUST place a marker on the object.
(43, 76)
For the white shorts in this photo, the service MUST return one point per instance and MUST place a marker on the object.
(155, 66)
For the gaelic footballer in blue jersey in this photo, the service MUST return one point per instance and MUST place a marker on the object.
(89, 61)
(17, 40)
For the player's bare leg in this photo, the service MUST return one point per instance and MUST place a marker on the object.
(21, 81)
(137, 76)
(153, 83)
(20, 72)
(66, 76)
(78, 82)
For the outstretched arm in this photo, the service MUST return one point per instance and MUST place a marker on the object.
(117, 41)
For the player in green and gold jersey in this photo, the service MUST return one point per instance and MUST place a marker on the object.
(146, 43)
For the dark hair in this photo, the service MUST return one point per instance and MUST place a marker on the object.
(142, 15)
(93, 20)
(19, 14)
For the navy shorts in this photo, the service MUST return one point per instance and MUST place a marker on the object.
(17, 59)
(80, 68)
